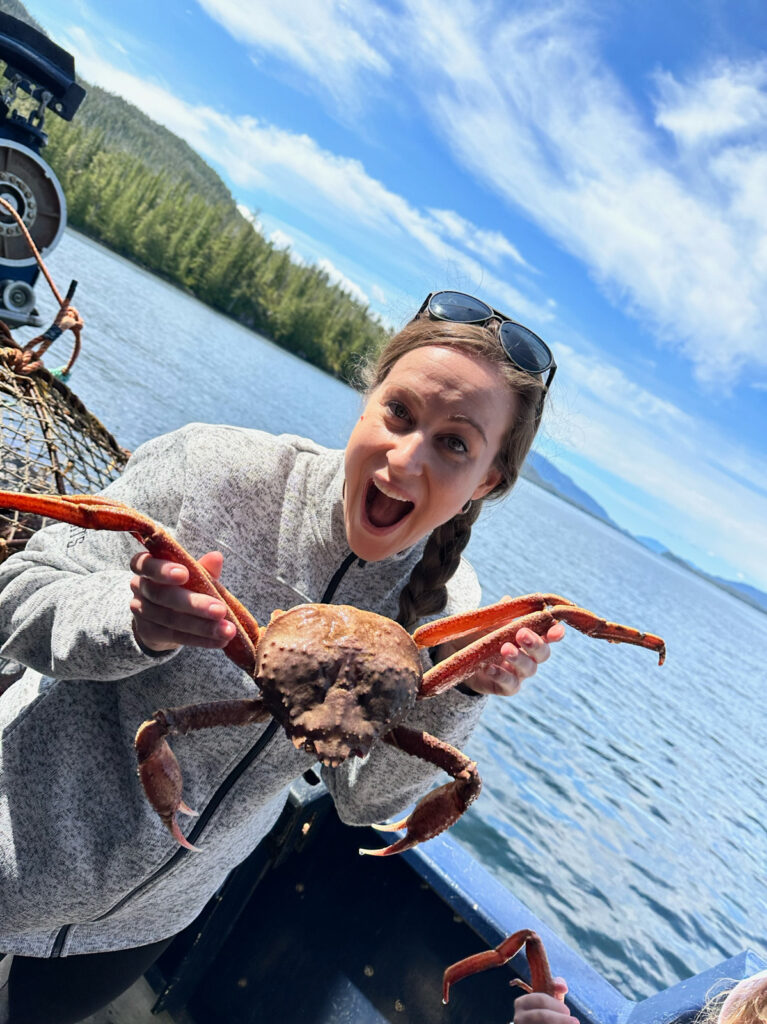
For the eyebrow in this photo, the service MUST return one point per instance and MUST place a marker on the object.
(456, 417)
(461, 418)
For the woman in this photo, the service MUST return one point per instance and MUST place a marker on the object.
(85, 865)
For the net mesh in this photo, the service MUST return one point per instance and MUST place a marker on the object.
(49, 442)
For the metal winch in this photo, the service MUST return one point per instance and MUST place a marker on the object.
(38, 68)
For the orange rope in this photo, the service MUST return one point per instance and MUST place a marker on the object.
(67, 318)
(15, 213)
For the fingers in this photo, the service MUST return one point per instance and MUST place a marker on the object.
(539, 1008)
(530, 651)
(212, 563)
(519, 662)
(556, 633)
(165, 615)
(158, 569)
(495, 681)
(560, 989)
(160, 627)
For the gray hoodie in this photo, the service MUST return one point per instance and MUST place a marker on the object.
(85, 863)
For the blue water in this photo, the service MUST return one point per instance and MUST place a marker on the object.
(622, 802)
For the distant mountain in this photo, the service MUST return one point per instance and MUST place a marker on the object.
(540, 471)
(653, 545)
(744, 592)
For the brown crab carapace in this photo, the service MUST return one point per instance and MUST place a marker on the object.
(540, 972)
(336, 678)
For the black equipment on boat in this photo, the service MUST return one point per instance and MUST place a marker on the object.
(44, 71)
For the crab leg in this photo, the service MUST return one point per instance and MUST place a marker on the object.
(96, 512)
(464, 663)
(453, 627)
(440, 808)
(540, 973)
(158, 768)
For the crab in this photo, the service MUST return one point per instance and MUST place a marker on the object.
(337, 679)
(540, 972)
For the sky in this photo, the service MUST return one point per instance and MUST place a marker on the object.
(596, 170)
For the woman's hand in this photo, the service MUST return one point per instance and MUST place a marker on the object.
(520, 660)
(166, 616)
(538, 1008)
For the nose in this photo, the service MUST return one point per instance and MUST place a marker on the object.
(407, 454)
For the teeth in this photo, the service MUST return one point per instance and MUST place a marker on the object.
(384, 489)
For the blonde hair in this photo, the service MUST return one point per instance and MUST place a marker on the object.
(744, 1003)
(425, 593)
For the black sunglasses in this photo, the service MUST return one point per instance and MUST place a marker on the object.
(524, 349)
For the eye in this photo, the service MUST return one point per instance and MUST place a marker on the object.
(456, 444)
(398, 410)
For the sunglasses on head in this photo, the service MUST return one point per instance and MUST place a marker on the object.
(524, 349)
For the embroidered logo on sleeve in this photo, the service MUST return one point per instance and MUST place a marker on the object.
(76, 536)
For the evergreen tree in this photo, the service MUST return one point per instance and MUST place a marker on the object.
(165, 214)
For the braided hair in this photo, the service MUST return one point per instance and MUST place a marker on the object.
(425, 593)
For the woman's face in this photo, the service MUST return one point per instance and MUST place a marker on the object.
(425, 444)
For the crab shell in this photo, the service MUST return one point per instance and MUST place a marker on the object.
(337, 678)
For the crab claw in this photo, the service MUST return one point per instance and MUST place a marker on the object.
(161, 778)
(393, 826)
(435, 812)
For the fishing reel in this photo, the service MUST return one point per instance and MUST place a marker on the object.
(41, 69)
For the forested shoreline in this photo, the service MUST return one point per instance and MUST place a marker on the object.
(143, 192)
(170, 227)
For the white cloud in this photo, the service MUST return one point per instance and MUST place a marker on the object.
(321, 37)
(578, 158)
(489, 245)
(679, 244)
(706, 490)
(725, 100)
(332, 189)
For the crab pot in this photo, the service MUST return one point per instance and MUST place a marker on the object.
(306, 930)
(49, 442)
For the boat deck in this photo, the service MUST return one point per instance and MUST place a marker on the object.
(306, 930)
(135, 1007)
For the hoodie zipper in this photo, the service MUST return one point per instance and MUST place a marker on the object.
(338, 575)
(220, 793)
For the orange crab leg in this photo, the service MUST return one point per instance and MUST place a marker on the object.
(158, 768)
(96, 512)
(464, 663)
(453, 627)
(441, 807)
(540, 973)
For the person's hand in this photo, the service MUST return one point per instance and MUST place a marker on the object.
(165, 615)
(520, 660)
(538, 1008)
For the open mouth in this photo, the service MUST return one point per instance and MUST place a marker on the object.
(384, 509)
